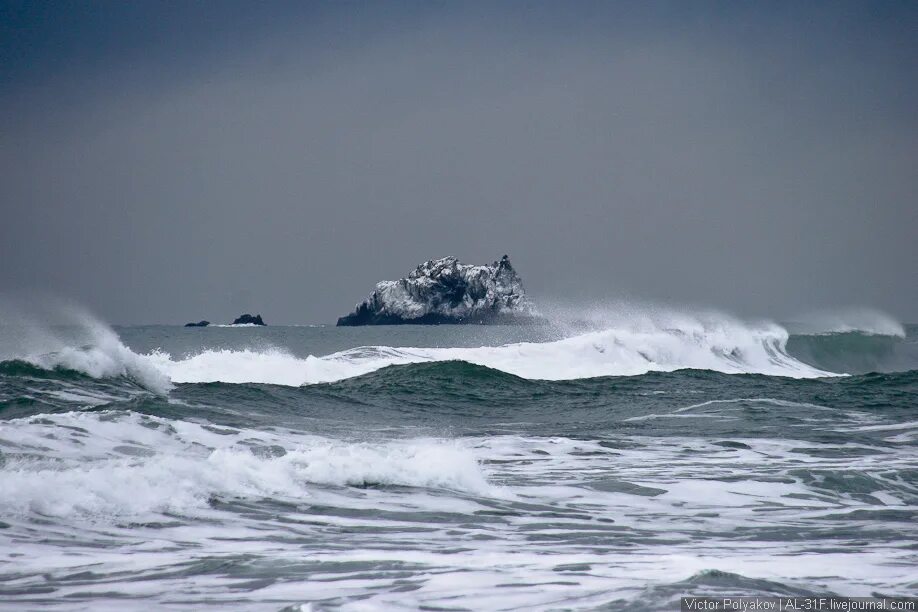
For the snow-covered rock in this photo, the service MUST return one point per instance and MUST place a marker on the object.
(446, 291)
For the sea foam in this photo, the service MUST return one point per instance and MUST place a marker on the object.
(629, 345)
(134, 465)
(56, 335)
(643, 344)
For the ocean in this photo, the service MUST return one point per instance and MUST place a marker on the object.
(613, 465)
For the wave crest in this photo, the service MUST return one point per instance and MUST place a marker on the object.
(632, 345)
(57, 336)
(717, 343)
(134, 465)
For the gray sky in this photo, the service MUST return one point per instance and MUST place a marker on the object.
(172, 161)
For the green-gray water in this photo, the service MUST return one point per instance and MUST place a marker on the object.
(455, 467)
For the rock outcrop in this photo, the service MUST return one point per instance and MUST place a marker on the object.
(446, 291)
(198, 324)
(248, 319)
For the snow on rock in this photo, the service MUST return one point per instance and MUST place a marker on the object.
(446, 291)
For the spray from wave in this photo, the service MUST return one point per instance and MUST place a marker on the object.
(866, 321)
(55, 335)
(620, 342)
(659, 341)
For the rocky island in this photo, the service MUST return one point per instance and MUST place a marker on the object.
(198, 324)
(446, 291)
(248, 319)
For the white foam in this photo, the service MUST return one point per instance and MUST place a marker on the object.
(630, 345)
(231, 325)
(711, 342)
(107, 357)
(134, 465)
(52, 334)
(581, 524)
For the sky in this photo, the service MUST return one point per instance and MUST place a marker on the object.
(164, 162)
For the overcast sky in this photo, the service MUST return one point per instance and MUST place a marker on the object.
(164, 162)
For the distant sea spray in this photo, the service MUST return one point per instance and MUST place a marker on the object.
(632, 344)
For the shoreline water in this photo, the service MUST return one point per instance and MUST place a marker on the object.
(449, 483)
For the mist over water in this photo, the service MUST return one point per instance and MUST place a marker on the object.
(620, 340)
(618, 457)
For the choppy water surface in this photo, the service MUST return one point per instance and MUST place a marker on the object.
(377, 468)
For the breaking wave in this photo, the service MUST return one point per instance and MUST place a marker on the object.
(641, 344)
(134, 465)
(722, 345)
(66, 337)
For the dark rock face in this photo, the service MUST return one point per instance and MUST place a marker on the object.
(443, 291)
(198, 324)
(248, 319)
